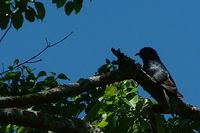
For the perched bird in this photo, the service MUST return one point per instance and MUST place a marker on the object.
(154, 67)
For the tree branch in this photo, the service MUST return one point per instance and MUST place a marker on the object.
(61, 91)
(45, 121)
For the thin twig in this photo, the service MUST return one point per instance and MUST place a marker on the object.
(35, 61)
(61, 39)
(38, 54)
(5, 32)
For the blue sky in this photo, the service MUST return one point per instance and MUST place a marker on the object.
(171, 27)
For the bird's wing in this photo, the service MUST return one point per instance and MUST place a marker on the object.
(170, 85)
(162, 76)
(165, 79)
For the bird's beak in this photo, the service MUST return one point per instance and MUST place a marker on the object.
(137, 54)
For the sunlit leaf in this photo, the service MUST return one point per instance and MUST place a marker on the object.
(126, 101)
(103, 123)
(110, 91)
(134, 101)
(21, 130)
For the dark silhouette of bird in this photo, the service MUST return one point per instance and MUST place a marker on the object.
(154, 67)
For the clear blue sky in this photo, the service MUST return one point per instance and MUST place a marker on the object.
(171, 27)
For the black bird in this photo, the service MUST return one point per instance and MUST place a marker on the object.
(154, 67)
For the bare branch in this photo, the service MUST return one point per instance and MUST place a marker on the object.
(5, 33)
(38, 54)
(56, 43)
(35, 61)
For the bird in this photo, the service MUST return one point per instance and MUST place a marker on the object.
(154, 67)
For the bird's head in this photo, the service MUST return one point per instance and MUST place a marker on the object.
(148, 53)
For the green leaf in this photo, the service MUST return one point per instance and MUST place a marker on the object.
(12, 75)
(93, 112)
(21, 130)
(16, 61)
(30, 14)
(110, 91)
(161, 127)
(69, 7)
(62, 76)
(31, 77)
(59, 3)
(28, 69)
(41, 73)
(40, 10)
(8, 128)
(17, 20)
(50, 79)
(21, 5)
(3, 88)
(40, 85)
(105, 68)
(4, 20)
(126, 101)
(134, 101)
(78, 5)
(112, 122)
(8, 2)
(103, 123)
(130, 84)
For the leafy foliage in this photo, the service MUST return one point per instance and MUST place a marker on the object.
(114, 108)
(120, 109)
(23, 81)
(70, 6)
(16, 11)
